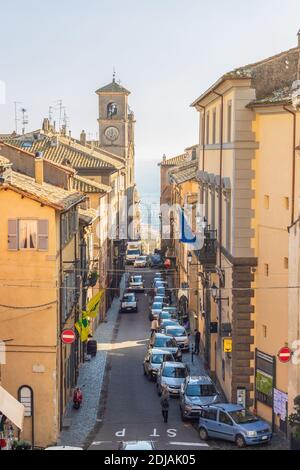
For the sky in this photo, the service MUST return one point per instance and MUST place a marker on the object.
(166, 52)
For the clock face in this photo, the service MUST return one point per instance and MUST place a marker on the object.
(111, 133)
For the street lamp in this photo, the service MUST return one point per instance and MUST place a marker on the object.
(214, 293)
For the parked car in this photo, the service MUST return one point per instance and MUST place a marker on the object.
(233, 423)
(155, 260)
(141, 262)
(168, 314)
(136, 284)
(137, 445)
(172, 375)
(165, 300)
(166, 343)
(129, 303)
(153, 360)
(195, 393)
(156, 308)
(167, 322)
(180, 334)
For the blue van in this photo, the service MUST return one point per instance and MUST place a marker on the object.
(233, 423)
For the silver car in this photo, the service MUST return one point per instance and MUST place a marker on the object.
(156, 309)
(195, 393)
(181, 336)
(154, 359)
(136, 284)
(172, 375)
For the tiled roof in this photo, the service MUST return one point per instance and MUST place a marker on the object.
(4, 160)
(85, 185)
(47, 194)
(175, 161)
(88, 215)
(284, 95)
(113, 87)
(65, 153)
(185, 172)
(273, 73)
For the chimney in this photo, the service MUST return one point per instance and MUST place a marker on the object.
(46, 125)
(83, 138)
(39, 167)
(164, 158)
(5, 170)
(299, 38)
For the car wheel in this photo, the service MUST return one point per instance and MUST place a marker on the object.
(203, 434)
(183, 418)
(240, 441)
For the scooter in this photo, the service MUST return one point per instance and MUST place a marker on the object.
(77, 398)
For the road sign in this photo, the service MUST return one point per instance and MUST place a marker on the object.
(285, 355)
(68, 336)
(227, 345)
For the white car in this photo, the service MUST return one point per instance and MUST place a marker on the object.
(129, 303)
(179, 333)
(136, 284)
(141, 262)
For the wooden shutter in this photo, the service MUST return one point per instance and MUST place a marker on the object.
(43, 235)
(13, 239)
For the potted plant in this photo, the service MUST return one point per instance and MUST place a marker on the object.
(21, 445)
(294, 422)
(93, 278)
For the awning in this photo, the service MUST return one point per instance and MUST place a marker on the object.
(93, 305)
(12, 408)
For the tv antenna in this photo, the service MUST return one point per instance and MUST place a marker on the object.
(24, 119)
(17, 119)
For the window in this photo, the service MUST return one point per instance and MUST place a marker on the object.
(229, 122)
(225, 419)
(28, 234)
(286, 263)
(112, 110)
(210, 414)
(214, 126)
(266, 202)
(286, 201)
(264, 330)
(207, 128)
(266, 269)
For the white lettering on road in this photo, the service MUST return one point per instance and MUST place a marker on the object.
(172, 432)
(189, 444)
(121, 433)
(154, 433)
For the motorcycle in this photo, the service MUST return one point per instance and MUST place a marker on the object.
(77, 398)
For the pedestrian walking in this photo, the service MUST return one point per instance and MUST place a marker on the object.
(197, 342)
(165, 403)
(154, 325)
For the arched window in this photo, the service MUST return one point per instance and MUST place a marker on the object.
(112, 110)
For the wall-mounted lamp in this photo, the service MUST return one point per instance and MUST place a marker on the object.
(214, 292)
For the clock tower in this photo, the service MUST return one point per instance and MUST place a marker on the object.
(114, 119)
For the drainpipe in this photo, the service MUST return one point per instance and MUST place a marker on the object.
(221, 174)
(293, 113)
(60, 325)
(203, 135)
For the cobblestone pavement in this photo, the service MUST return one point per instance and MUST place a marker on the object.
(91, 377)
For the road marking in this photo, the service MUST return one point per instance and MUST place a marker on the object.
(189, 444)
(98, 443)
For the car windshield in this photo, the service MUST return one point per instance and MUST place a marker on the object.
(136, 279)
(165, 343)
(174, 372)
(243, 417)
(161, 291)
(133, 252)
(165, 316)
(176, 332)
(157, 306)
(160, 358)
(129, 298)
(206, 390)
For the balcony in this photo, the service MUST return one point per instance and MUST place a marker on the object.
(207, 256)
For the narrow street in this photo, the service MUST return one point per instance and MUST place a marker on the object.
(130, 406)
